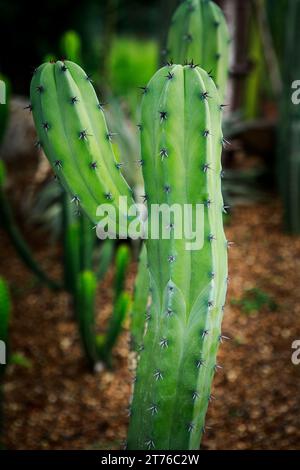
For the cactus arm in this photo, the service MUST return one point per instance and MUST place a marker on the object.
(72, 130)
(70, 244)
(121, 262)
(87, 238)
(5, 308)
(56, 145)
(140, 301)
(188, 290)
(70, 45)
(85, 312)
(121, 305)
(106, 256)
(16, 238)
(105, 346)
(4, 108)
(199, 33)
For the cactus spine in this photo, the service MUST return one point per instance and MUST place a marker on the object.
(199, 33)
(181, 113)
(72, 130)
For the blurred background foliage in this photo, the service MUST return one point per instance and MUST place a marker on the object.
(96, 22)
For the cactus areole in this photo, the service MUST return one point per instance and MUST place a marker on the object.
(179, 356)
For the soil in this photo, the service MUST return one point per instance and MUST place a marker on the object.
(56, 403)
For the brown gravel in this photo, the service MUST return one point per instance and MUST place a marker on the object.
(58, 404)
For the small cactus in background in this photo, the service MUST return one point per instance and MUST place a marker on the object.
(4, 106)
(5, 308)
(199, 33)
(10, 226)
(70, 46)
(121, 304)
(181, 113)
(140, 302)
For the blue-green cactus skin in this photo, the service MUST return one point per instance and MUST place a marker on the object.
(181, 112)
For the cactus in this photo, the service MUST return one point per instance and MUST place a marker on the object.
(99, 347)
(181, 140)
(71, 245)
(8, 223)
(140, 302)
(5, 308)
(199, 33)
(107, 342)
(121, 305)
(4, 107)
(85, 312)
(70, 46)
(288, 157)
(122, 262)
(181, 113)
(106, 256)
(72, 131)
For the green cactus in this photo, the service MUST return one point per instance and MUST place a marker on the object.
(85, 312)
(140, 302)
(4, 107)
(288, 157)
(10, 226)
(71, 244)
(121, 305)
(107, 342)
(181, 149)
(70, 46)
(99, 347)
(122, 262)
(5, 308)
(72, 130)
(106, 256)
(199, 33)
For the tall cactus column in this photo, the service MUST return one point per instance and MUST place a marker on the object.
(199, 33)
(181, 151)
